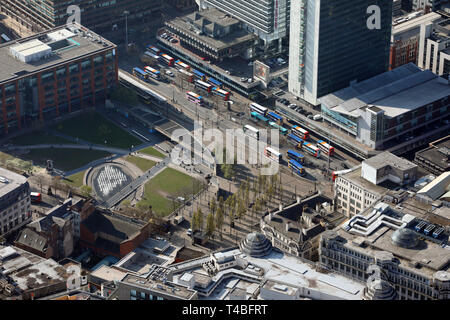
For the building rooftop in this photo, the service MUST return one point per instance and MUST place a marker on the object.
(438, 153)
(406, 29)
(107, 273)
(355, 177)
(29, 271)
(211, 18)
(175, 290)
(10, 180)
(413, 250)
(437, 187)
(395, 92)
(61, 46)
(386, 158)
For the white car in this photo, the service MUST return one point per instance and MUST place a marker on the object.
(189, 232)
(169, 73)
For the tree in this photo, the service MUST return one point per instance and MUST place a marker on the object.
(210, 226)
(241, 209)
(197, 220)
(219, 219)
(213, 205)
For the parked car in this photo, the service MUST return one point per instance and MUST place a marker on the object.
(189, 232)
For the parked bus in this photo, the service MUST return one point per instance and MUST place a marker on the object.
(186, 75)
(141, 74)
(152, 72)
(221, 93)
(251, 131)
(325, 147)
(167, 59)
(283, 131)
(151, 55)
(203, 85)
(312, 149)
(214, 82)
(199, 75)
(296, 167)
(5, 38)
(182, 65)
(295, 140)
(257, 117)
(294, 155)
(194, 97)
(154, 50)
(300, 132)
(272, 154)
(35, 197)
(254, 107)
(274, 117)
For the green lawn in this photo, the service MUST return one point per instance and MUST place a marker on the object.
(152, 152)
(75, 180)
(93, 127)
(37, 137)
(64, 159)
(141, 163)
(167, 185)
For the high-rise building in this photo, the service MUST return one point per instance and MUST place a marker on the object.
(269, 20)
(331, 44)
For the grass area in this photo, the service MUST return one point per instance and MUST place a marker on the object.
(167, 185)
(37, 137)
(64, 159)
(75, 180)
(95, 128)
(152, 152)
(141, 163)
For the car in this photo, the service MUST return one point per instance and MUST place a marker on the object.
(189, 232)
(240, 114)
(310, 116)
(286, 103)
(292, 106)
(173, 40)
(169, 73)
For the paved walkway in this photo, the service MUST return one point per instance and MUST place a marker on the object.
(136, 183)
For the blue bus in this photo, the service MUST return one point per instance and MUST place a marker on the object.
(294, 155)
(198, 75)
(141, 74)
(258, 117)
(296, 167)
(215, 82)
(274, 117)
(295, 140)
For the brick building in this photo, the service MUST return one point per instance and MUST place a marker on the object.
(54, 73)
(106, 233)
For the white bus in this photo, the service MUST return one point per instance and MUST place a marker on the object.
(272, 154)
(194, 97)
(251, 131)
(257, 108)
(203, 85)
(152, 72)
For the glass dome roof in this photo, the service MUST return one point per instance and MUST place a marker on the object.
(405, 238)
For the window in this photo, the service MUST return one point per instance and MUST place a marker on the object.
(142, 295)
(133, 293)
(160, 298)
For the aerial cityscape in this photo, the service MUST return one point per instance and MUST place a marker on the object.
(217, 150)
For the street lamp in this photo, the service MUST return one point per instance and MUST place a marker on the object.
(126, 13)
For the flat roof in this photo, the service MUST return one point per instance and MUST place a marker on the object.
(12, 181)
(154, 285)
(415, 23)
(214, 16)
(355, 177)
(80, 46)
(108, 273)
(386, 158)
(395, 92)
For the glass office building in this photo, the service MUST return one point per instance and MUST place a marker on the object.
(331, 45)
